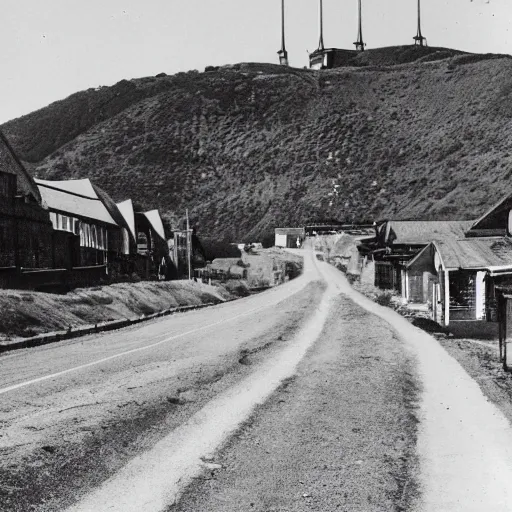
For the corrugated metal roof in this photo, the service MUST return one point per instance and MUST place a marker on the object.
(73, 204)
(473, 253)
(424, 232)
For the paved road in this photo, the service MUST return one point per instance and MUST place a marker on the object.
(306, 397)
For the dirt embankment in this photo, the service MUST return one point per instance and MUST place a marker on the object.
(25, 313)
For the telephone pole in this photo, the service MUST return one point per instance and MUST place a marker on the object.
(189, 243)
(283, 54)
(419, 39)
(359, 44)
(321, 46)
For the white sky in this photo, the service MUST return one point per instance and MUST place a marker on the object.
(53, 48)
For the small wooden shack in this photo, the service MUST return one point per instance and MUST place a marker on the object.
(291, 238)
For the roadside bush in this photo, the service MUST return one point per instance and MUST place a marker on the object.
(353, 278)
(384, 298)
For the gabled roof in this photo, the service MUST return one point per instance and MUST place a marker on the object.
(126, 209)
(496, 217)
(82, 187)
(423, 232)
(471, 253)
(75, 198)
(11, 164)
(156, 223)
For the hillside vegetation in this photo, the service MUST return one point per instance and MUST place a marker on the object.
(405, 133)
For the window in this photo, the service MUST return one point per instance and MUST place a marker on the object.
(7, 184)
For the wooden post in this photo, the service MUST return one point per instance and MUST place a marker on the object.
(501, 302)
(480, 296)
(507, 349)
(189, 243)
(446, 298)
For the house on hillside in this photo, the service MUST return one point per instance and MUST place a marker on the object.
(291, 238)
(25, 227)
(396, 242)
(86, 234)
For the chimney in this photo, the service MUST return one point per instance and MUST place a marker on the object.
(419, 39)
(283, 54)
(359, 44)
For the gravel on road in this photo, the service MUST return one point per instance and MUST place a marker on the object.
(339, 436)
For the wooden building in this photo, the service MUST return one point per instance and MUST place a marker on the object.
(329, 58)
(459, 276)
(25, 227)
(146, 243)
(291, 238)
(396, 242)
(85, 232)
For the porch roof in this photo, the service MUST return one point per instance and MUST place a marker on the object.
(490, 253)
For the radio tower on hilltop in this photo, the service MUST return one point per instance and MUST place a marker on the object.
(283, 54)
(419, 39)
(360, 43)
(321, 46)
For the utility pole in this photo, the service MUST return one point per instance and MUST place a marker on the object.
(419, 39)
(283, 54)
(359, 44)
(189, 243)
(321, 46)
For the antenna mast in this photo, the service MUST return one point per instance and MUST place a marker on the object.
(321, 46)
(283, 54)
(359, 44)
(419, 39)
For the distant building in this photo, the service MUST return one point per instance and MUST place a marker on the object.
(146, 243)
(329, 58)
(291, 238)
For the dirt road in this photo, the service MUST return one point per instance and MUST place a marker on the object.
(306, 397)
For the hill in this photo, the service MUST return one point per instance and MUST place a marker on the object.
(250, 147)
